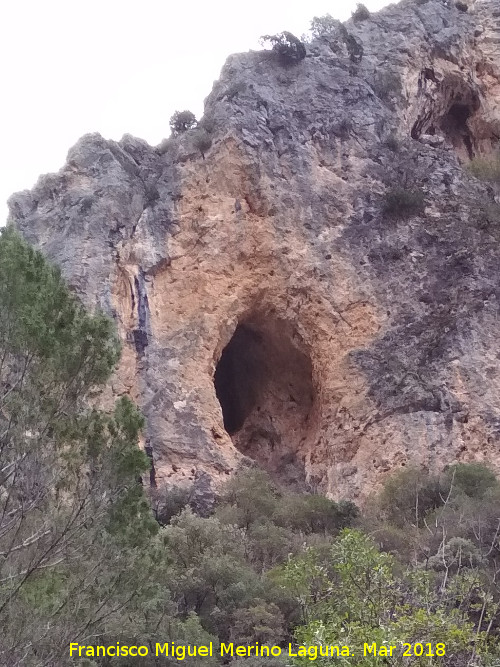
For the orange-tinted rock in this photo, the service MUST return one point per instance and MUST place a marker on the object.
(270, 308)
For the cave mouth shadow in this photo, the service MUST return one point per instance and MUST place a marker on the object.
(454, 126)
(450, 106)
(264, 384)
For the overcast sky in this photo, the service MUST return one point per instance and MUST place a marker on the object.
(68, 67)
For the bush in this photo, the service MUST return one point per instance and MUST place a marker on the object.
(165, 145)
(403, 203)
(399, 541)
(270, 544)
(73, 517)
(262, 622)
(456, 553)
(486, 168)
(250, 496)
(286, 46)
(171, 503)
(208, 124)
(323, 25)
(252, 500)
(361, 592)
(361, 13)
(347, 513)
(182, 121)
(314, 513)
(409, 495)
(473, 479)
(202, 141)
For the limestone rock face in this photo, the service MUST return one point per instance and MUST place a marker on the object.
(272, 308)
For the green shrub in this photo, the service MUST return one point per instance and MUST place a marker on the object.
(323, 25)
(455, 554)
(409, 495)
(486, 168)
(473, 479)
(362, 592)
(252, 501)
(270, 544)
(314, 513)
(202, 140)
(361, 13)
(286, 46)
(403, 203)
(171, 503)
(182, 121)
(261, 622)
(392, 539)
(71, 507)
(165, 145)
(207, 123)
(347, 513)
(249, 497)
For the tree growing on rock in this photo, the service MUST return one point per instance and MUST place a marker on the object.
(289, 49)
(361, 13)
(182, 121)
(202, 141)
(321, 26)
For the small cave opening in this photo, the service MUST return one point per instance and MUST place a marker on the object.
(264, 384)
(455, 127)
(450, 108)
(237, 378)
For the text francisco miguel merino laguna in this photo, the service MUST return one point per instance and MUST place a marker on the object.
(182, 651)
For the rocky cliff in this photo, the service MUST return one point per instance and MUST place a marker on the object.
(318, 291)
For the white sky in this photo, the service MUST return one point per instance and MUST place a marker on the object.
(68, 67)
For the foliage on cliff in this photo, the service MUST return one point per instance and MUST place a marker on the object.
(70, 505)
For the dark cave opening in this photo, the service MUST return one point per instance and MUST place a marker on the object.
(237, 377)
(454, 126)
(450, 107)
(264, 385)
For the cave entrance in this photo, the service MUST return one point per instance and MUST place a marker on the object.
(451, 107)
(455, 127)
(264, 385)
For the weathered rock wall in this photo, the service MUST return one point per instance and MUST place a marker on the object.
(267, 277)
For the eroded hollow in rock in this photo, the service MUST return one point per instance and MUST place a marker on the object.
(454, 126)
(451, 107)
(265, 388)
